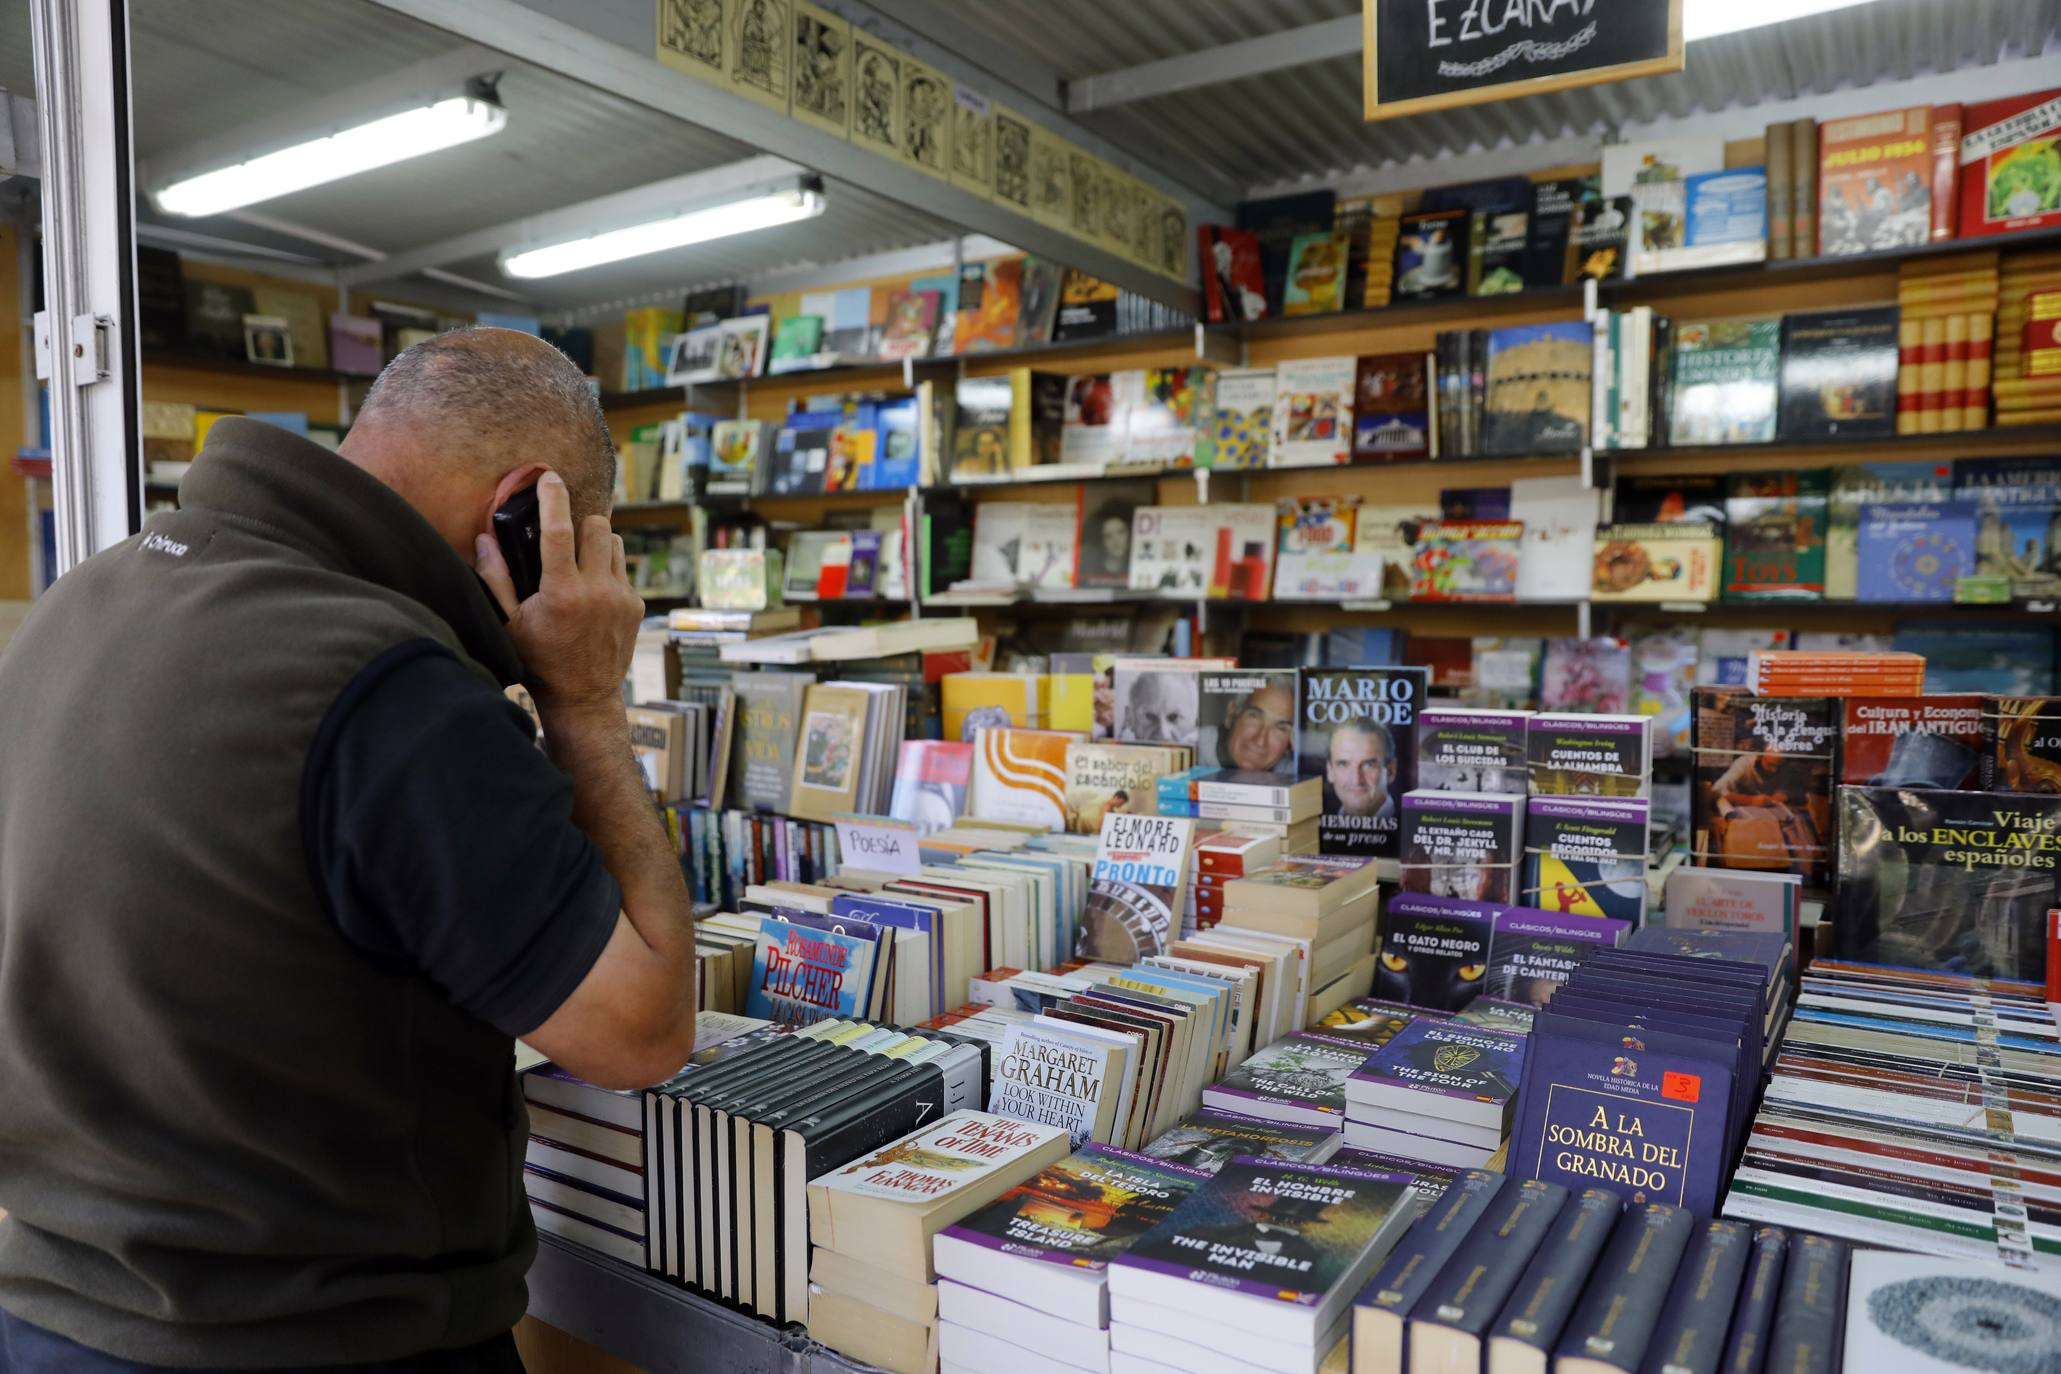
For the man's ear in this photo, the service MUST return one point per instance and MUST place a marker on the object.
(512, 481)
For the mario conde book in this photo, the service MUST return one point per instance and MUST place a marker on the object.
(1356, 728)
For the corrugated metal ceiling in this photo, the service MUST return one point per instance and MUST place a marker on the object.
(203, 67)
(1303, 124)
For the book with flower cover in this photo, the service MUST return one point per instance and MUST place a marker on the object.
(1467, 560)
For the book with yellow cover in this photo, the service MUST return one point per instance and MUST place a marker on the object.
(829, 759)
(973, 701)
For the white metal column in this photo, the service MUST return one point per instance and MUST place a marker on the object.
(86, 334)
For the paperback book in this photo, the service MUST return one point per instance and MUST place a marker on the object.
(1271, 1248)
(1726, 382)
(1313, 399)
(1467, 845)
(1462, 750)
(1586, 856)
(1914, 552)
(1839, 374)
(1775, 535)
(1580, 755)
(1247, 720)
(1532, 953)
(1048, 1241)
(1933, 741)
(1668, 562)
(2015, 526)
(1537, 388)
(1356, 729)
(1466, 560)
(2020, 744)
(1434, 951)
(1761, 795)
(1392, 406)
(1927, 879)
(1138, 887)
(1299, 1079)
(1209, 1140)
(1858, 485)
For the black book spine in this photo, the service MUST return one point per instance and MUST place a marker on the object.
(1690, 1338)
(1661, 378)
(1471, 1289)
(1614, 1323)
(1553, 1281)
(1813, 1305)
(1746, 1348)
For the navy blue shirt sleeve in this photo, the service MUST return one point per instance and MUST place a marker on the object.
(442, 840)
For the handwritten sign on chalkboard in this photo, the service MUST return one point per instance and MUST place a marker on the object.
(1434, 54)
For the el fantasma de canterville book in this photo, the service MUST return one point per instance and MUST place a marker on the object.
(1356, 728)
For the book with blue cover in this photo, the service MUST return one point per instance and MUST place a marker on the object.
(1586, 856)
(1914, 551)
(2016, 526)
(2004, 660)
(801, 975)
(1640, 1111)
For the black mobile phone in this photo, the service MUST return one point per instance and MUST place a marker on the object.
(518, 528)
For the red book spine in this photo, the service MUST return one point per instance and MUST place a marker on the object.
(1946, 170)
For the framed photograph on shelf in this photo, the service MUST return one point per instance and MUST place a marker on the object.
(267, 339)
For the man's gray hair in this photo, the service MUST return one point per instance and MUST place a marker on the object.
(518, 398)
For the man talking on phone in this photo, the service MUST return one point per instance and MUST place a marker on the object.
(283, 874)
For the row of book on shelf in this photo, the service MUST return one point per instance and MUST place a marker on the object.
(1981, 530)
(1627, 380)
(1864, 184)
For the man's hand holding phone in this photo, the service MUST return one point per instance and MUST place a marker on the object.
(576, 635)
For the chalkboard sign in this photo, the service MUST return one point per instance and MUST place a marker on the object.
(1434, 54)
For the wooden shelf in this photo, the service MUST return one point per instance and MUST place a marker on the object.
(204, 362)
(1842, 265)
(1959, 438)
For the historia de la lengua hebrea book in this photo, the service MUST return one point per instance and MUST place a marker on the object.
(1356, 728)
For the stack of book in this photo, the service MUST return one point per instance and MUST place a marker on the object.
(1462, 844)
(1504, 1274)
(1023, 1283)
(1220, 857)
(1439, 1091)
(2028, 389)
(1255, 1270)
(1326, 906)
(1671, 1046)
(1948, 314)
(729, 1146)
(584, 1167)
(1299, 1079)
(1835, 673)
(1911, 1109)
(873, 1222)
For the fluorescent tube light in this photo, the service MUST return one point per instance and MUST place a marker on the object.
(1714, 18)
(396, 138)
(656, 236)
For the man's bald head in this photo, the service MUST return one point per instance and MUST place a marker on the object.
(452, 416)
